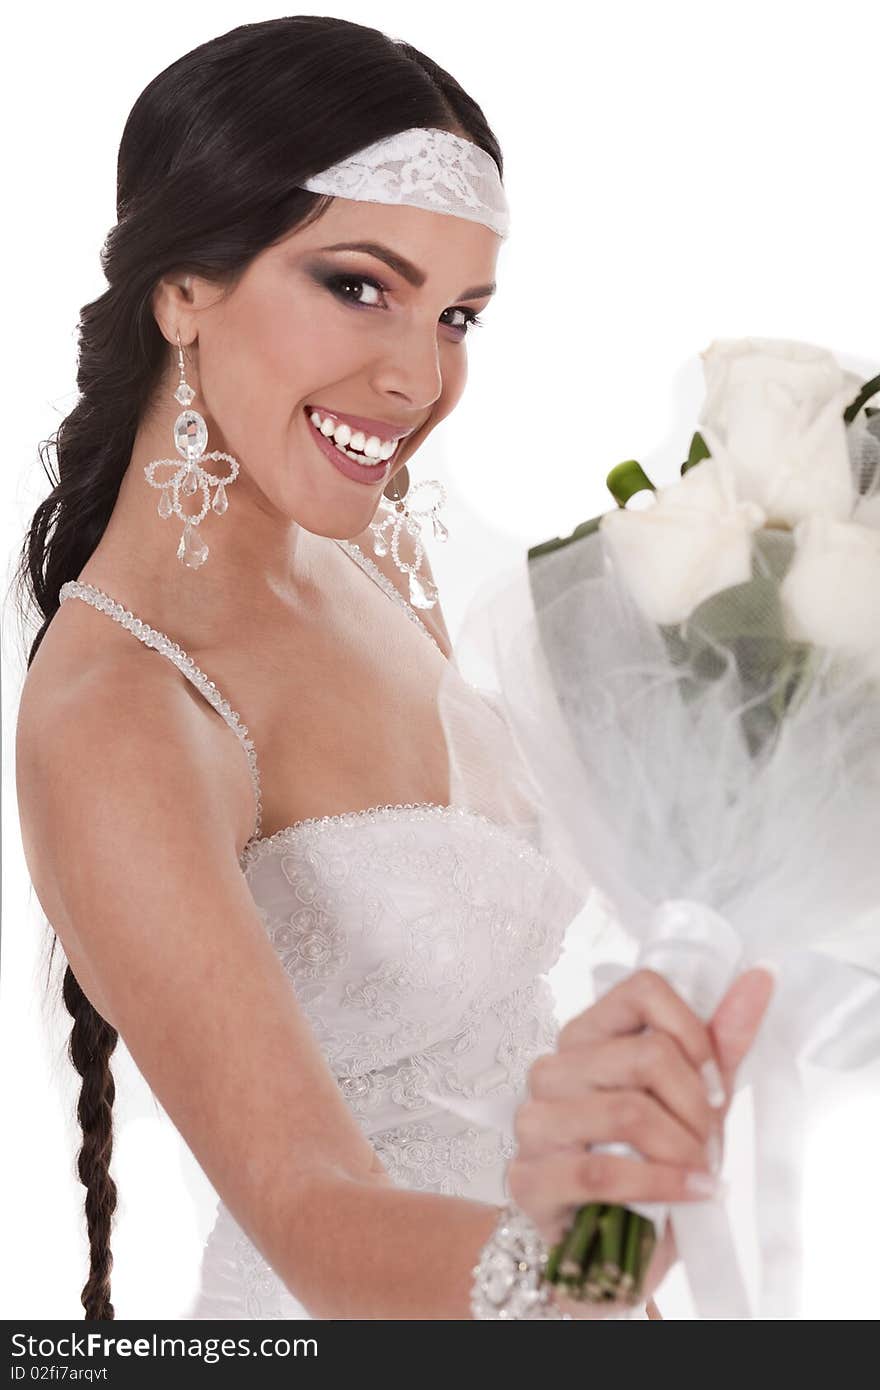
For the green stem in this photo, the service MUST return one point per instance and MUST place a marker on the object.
(619, 1258)
(551, 1269)
(647, 1241)
(631, 1249)
(576, 1244)
(611, 1240)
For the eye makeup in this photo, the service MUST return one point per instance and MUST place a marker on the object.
(340, 283)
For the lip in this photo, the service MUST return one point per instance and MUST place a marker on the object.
(358, 472)
(380, 428)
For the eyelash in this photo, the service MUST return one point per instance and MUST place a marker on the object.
(334, 283)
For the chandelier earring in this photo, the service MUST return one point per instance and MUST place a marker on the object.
(398, 505)
(190, 438)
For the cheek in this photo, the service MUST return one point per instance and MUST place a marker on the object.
(303, 354)
(263, 345)
(248, 352)
(454, 382)
(280, 339)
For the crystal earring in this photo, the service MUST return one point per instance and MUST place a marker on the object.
(399, 513)
(190, 438)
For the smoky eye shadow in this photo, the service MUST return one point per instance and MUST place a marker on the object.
(319, 274)
(323, 273)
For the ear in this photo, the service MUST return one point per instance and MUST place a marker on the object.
(173, 308)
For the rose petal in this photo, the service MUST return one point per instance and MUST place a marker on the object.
(776, 409)
(694, 542)
(831, 593)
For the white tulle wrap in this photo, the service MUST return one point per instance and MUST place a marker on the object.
(713, 850)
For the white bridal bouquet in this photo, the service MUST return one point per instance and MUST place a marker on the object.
(692, 691)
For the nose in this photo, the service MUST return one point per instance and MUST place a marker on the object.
(411, 371)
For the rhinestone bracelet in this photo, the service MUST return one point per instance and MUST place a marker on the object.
(508, 1280)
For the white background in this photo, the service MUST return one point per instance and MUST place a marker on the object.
(677, 172)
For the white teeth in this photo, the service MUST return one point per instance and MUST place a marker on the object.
(371, 449)
(359, 458)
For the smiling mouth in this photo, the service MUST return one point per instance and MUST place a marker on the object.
(356, 444)
(355, 466)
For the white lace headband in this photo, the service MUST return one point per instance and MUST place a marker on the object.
(424, 168)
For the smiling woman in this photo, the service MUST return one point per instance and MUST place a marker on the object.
(298, 936)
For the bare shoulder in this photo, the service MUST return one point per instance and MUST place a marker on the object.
(114, 759)
(91, 685)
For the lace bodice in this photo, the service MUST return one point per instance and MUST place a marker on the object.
(416, 937)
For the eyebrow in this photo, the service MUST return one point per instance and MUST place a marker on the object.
(403, 267)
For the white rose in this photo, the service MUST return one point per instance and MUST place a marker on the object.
(775, 410)
(694, 541)
(831, 593)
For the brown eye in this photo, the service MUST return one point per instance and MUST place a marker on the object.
(472, 320)
(340, 284)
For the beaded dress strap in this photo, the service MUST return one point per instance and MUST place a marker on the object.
(162, 643)
(373, 570)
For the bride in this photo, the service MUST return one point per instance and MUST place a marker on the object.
(246, 848)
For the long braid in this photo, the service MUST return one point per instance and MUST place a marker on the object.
(91, 1044)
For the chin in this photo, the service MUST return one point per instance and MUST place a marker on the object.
(339, 523)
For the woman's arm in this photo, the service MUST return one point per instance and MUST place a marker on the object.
(135, 821)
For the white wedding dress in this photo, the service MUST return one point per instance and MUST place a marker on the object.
(416, 937)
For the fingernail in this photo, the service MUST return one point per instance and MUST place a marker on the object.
(702, 1185)
(713, 1083)
(771, 966)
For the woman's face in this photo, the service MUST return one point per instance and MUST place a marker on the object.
(309, 327)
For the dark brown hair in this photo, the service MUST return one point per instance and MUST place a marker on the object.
(209, 164)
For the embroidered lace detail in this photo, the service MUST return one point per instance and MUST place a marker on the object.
(262, 1290)
(163, 644)
(256, 849)
(512, 1032)
(412, 944)
(425, 168)
(373, 570)
(418, 1157)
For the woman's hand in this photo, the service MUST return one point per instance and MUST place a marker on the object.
(638, 1067)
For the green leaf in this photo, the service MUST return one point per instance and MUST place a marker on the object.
(586, 528)
(745, 624)
(869, 389)
(698, 451)
(626, 479)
